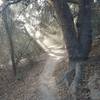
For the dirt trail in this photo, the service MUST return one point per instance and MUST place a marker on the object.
(47, 80)
(37, 83)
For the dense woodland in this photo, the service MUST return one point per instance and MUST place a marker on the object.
(49, 49)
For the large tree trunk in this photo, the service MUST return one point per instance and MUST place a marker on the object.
(78, 48)
(67, 24)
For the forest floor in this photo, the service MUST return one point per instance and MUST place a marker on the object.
(43, 80)
(35, 81)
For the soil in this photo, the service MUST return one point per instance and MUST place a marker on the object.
(44, 79)
(34, 81)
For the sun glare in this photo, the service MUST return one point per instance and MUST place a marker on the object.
(1, 2)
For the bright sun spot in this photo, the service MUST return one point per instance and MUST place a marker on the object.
(1, 2)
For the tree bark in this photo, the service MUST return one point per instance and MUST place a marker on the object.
(85, 29)
(67, 24)
(9, 27)
(78, 48)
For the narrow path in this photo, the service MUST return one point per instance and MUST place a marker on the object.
(47, 80)
(37, 83)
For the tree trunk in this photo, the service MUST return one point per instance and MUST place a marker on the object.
(67, 24)
(85, 30)
(9, 27)
(78, 48)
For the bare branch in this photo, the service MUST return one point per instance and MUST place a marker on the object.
(8, 3)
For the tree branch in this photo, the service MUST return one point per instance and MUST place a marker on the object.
(8, 3)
